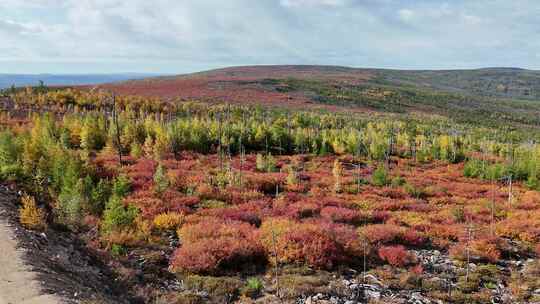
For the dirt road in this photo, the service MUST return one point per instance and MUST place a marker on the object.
(18, 284)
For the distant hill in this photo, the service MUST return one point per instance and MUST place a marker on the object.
(488, 96)
(19, 80)
(495, 82)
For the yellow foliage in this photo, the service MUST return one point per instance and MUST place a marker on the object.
(135, 236)
(31, 216)
(169, 220)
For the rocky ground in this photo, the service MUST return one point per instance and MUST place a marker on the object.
(438, 267)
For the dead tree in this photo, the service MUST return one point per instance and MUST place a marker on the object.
(117, 129)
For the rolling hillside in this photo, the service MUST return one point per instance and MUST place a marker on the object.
(486, 96)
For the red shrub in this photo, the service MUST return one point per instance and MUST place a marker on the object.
(316, 243)
(141, 173)
(302, 209)
(391, 234)
(380, 216)
(235, 214)
(341, 215)
(396, 256)
(418, 269)
(213, 246)
(312, 245)
(265, 182)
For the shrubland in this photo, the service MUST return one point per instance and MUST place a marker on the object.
(230, 192)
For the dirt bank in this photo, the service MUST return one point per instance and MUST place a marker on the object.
(36, 265)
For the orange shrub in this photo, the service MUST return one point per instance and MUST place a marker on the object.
(483, 250)
(521, 225)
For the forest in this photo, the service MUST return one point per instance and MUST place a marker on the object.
(251, 204)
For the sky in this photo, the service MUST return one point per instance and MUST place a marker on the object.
(181, 36)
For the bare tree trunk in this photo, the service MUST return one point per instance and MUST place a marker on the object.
(276, 263)
(117, 126)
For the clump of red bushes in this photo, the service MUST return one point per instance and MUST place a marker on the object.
(317, 243)
(211, 246)
(396, 256)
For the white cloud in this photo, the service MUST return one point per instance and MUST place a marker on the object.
(383, 33)
(406, 14)
(293, 3)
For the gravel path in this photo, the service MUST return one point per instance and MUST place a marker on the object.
(18, 284)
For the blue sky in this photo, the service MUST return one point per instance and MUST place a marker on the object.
(166, 36)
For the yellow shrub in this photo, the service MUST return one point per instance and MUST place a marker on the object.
(31, 216)
(168, 221)
(137, 235)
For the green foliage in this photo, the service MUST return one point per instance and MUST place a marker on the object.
(71, 201)
(121, 186)
(252, 288)
(99, 194)
(10, 149)
(72, 197)
(161, 181)
(414, 191)
(266, 163)
(380, 177)
(473, 168)
(93, 134)
(117, 216)
(398, 181)
(118, 250)
(481, 169)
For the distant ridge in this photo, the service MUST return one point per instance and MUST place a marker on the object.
(19, 80)
(503, 82)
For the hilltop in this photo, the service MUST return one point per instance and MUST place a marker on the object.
(490, 96)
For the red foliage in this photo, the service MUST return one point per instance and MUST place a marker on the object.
(213, 246)
(317, 243)
(141, 174)
(396, 255)
(250, 212)
(391, 234)
(265, 182)
(314, 246)
(341, 215)
(302, 209)
(418, 269)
